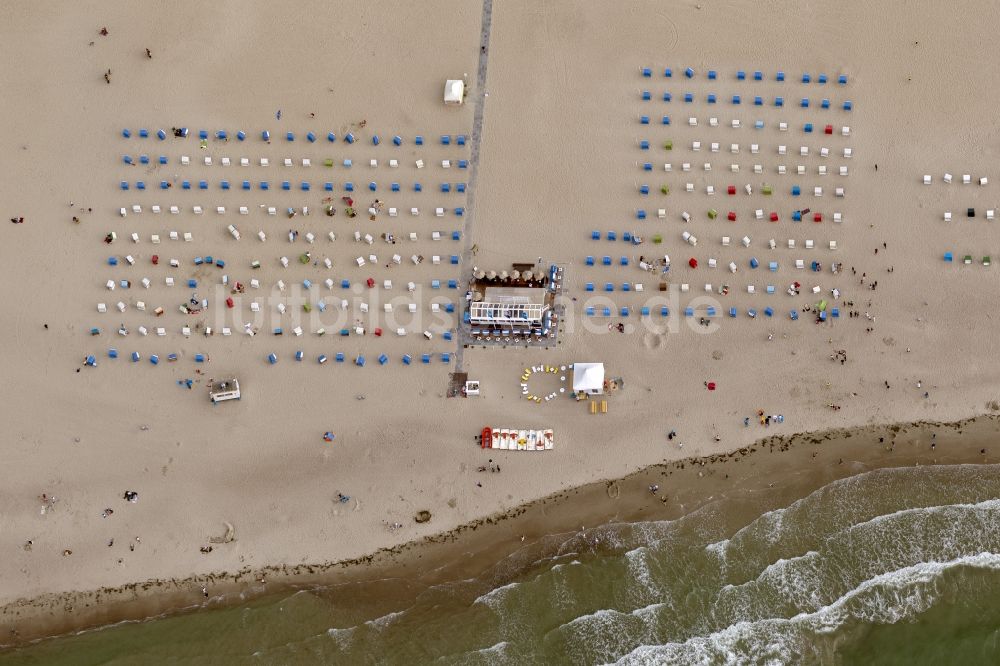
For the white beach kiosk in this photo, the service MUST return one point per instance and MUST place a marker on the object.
(454, 91)
(588, 378)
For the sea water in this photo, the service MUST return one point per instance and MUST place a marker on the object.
(896, 566)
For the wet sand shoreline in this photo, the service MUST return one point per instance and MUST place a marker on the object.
(775, 470)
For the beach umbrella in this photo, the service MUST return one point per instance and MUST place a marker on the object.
(692, 262)
(527, 275)
(491, 275)
(516, 275)
(503, 275)
(480, 275)
(477, 296)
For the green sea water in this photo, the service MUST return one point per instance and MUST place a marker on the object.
(898, 566)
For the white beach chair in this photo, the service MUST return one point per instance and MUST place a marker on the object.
(735, 168)
(758, 169)
(135, 237)
(736, 123)
(284, 262)
(393, 163)
(947, 216)
(208, 161)
(102, 307)
(791, 243)
(800, 264)
(420, 164)
(198, 210)
(185, 160)
(734, 148)
(373, 163)
(154, 239)
(136, 208)
(824, 152)
(414, 211)
(271, 210)
(713, 122)
(754, 148)
(287, 161)
(689, 187)
(160, 331)
(782, 127)
(155, 209)
(221, 210)
(265, 162)
(169, 281)
(715, 147)
(254, 306)
(781, 169)
(782, 150)
(804, 151)
(848, 152)
(173, 235)
(838, 218)
(809, 244)
(435, 260)
(244, 210)
(188, 237)
(306, 162)
(387, 284)
(686, 166)
(145, 282)
(710, 190)
(708, 166)
(746, 241)
(966, 179)
(411, 286)
(821, 169)
(759, 214)
(692, 121)
(685, 287)
(226, 331)
(927, 179)
(393, 212)
(244, 162)
(445, 164)
(661, 213)
(839, 192)
(833, 245)
(695, 146)
(186, 331)
(123, 212)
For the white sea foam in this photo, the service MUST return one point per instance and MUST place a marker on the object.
(885, 599)
(384, 621)
(495, 597)
(342, 636)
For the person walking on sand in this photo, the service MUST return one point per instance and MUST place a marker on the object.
(149, 54)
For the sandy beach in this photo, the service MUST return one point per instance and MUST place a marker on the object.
(558, 156)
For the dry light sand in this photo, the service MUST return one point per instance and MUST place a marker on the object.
(559, 157)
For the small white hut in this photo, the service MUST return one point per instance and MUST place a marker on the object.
(588, 378)
(454, 91)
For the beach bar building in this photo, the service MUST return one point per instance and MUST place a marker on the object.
(519, 308)
(588, 378)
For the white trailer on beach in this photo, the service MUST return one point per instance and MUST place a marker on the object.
(226, 389)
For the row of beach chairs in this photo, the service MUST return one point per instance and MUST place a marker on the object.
(741, 75)
(347, 163)
(758, 100)
(287, 185)
(630, 237)
(734, 148)
(948, 178)
(971, 213)
(156, 209)
(311, 137)
(709, 311)
(949, 257)
(272, 358)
